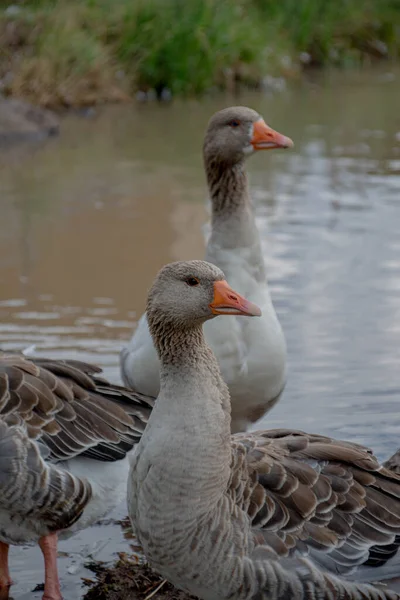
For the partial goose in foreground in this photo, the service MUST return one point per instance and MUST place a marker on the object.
(64, 438)
(226, 516)
(251, 355)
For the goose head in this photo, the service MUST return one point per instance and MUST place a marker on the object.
(237, 132)
(186, 294)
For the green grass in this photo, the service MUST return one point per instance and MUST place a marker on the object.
(184, 45)
(72, 52)
(340, 31)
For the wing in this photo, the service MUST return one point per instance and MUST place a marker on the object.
(312, 494)
(32, 489)
(379, 555)
(70, 408)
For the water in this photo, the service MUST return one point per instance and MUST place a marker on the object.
(89, 218)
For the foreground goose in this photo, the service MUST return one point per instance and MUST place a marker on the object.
(252, 356)
(224, 516)
(64, 438)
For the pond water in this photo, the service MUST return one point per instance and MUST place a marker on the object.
(88, 218)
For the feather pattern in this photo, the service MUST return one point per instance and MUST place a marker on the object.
(379, 556)
(58, 421)
(318, 495)
(33, 493)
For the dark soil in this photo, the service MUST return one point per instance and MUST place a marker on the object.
(128, 580)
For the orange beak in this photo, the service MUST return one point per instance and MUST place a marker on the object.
(265, 138)
(228, 302)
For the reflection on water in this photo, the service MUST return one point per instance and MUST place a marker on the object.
(88, 219)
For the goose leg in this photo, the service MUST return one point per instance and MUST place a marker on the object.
(48, 546)
(5, 579)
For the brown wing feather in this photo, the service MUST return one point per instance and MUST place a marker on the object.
(393, 463)
(317, 494)
(69, 407)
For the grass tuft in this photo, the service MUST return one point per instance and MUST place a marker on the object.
(85, 51)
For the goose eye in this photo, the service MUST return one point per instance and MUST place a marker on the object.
(234, 123)
(192, 281)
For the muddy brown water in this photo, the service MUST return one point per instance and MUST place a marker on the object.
(88, 218)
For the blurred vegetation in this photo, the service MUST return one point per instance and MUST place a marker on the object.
(80, 52)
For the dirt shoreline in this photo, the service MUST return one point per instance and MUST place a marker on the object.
(129, 579)
(22, 121)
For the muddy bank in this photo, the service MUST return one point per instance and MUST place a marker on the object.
(129, 580)
(21, 121)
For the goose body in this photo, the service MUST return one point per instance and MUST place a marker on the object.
(65, 437)
(252, 356)
(234, 516)
(251, 352)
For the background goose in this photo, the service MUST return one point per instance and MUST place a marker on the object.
(224, 516)
(64, 438)
(252, 356)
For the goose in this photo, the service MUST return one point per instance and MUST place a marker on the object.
(278, 514)
(65, 437)
(252, 356)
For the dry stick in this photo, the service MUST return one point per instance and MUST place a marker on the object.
(156, 590)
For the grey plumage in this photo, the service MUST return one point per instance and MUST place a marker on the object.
(52, 412)
(46, 497)
(224, 516)
(252, 357)
(64, 437)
